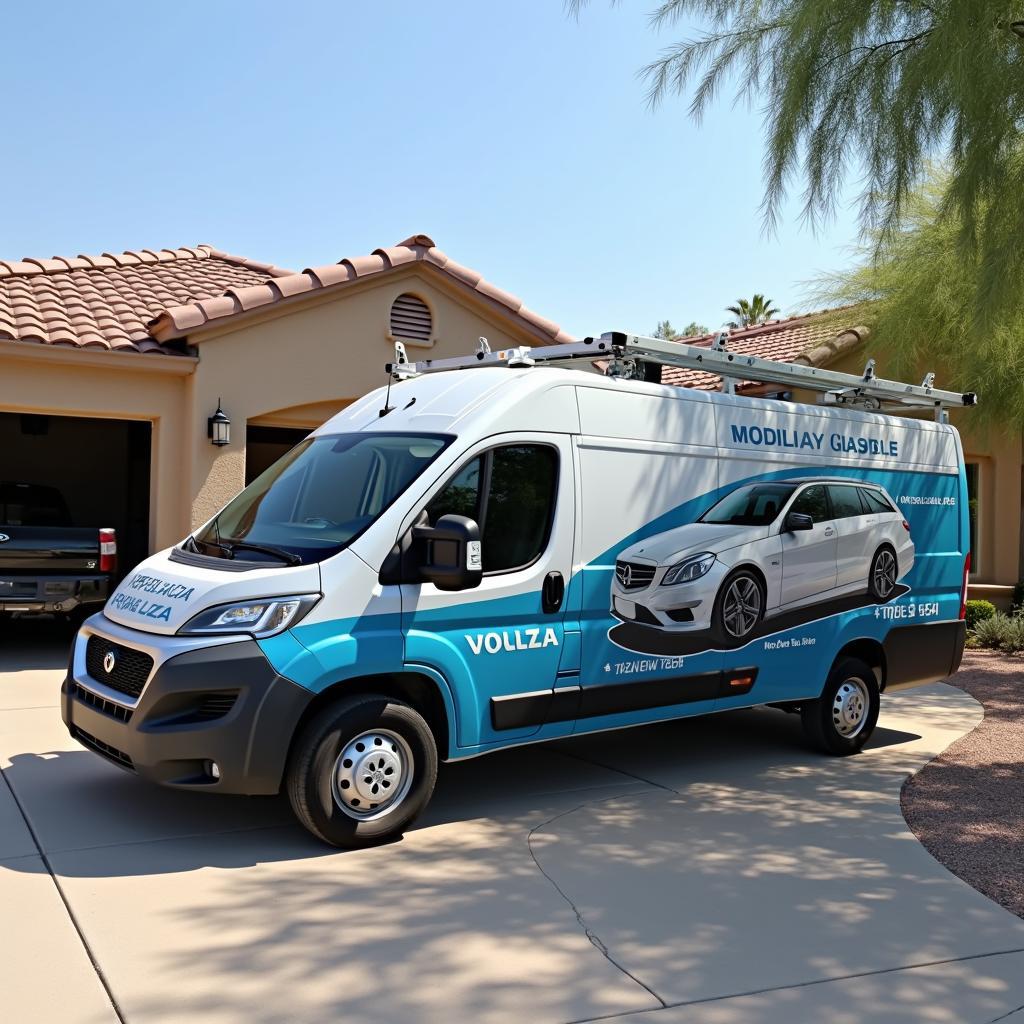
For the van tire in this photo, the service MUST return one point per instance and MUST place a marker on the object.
(842, 720)
(882, 576)
(316, 762)
(720, 633)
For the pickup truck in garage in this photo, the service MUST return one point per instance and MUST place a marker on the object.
(46, 563)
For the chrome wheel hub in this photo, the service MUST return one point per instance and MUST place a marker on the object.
(850, 707)
(372, 775)
(884, 574)
(742, 606)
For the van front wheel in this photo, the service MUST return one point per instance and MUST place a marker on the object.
(361, 771)
(842, 720)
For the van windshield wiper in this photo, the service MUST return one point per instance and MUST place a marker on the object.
(232, 544)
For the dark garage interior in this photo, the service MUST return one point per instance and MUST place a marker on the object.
(265, 445)
(100, 467)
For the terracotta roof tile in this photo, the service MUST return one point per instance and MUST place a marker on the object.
(333, 273)
(809, 338)
(139, 299)
(107, 301)
(177, 321)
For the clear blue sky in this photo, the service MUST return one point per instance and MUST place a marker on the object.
(302, 133)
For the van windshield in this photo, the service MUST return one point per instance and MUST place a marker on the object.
(754, 505)
(318, 498)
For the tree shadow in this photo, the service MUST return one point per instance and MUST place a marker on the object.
(703, 854)
(77, 802)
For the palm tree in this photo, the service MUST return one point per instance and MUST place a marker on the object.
(757, 310)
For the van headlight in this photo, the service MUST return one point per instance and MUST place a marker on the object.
(260, 617)
(692, 569)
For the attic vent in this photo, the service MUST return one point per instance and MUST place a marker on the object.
(411, 319)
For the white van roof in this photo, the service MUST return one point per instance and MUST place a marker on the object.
(495, 400)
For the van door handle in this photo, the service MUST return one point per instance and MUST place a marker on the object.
(552, 592)
(829, 532)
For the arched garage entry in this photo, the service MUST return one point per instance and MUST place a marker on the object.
(271, 435)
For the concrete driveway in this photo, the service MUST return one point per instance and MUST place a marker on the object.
(709, 871)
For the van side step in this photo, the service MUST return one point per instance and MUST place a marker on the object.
(521, 710)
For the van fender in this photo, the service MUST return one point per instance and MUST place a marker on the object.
(445, 690)
(434, 654)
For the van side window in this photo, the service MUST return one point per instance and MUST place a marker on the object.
(510, 492)
(845, 501)
(812, 502)
(462, 495)
(875, 501)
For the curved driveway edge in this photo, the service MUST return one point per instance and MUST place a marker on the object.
(760, 867)
(967, 805)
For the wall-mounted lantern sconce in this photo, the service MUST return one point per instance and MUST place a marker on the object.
(218, 428)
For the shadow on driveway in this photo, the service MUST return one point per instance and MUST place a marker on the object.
(76, 801)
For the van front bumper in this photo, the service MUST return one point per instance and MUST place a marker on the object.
(215, 717)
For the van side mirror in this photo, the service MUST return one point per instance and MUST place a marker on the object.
(450, 557)
(797, 521)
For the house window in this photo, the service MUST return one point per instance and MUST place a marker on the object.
(973, 497)
(411, 320)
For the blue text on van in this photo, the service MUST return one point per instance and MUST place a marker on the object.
(782, 437)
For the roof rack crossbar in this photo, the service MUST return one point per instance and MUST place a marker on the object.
(625, 350)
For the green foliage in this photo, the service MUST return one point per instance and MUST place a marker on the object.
(978, 611)
(669, 333)
(753, 311)
(918, 287)
(1017, 603)
(1001, 632)
(873, 90)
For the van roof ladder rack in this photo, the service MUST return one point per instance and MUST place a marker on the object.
(627, 352)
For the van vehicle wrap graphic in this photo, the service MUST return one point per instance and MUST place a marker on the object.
(611, 518)
(590, 647)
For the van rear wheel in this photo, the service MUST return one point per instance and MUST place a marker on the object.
(842, 720)
(361, 771)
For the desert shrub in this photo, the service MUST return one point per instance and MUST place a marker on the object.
(1001, 632)
(978, 611)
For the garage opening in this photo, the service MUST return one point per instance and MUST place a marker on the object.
(265, 445)
(99, 466)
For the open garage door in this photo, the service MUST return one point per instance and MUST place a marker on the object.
(265, 445)
(100, 467)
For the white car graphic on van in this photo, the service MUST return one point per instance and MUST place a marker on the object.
(764, 549)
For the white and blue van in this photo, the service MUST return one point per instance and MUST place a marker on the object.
(478, 560)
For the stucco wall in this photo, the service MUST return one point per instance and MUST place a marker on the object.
(121, 386)
(298, 363)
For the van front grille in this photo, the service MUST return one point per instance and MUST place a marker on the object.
(107, 707)
(121, 668)
(119, 757)
(634, 575)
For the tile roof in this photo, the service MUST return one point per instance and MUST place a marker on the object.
(106, 302)
(178, 321)
(810, 338)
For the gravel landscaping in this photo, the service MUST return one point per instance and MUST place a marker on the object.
(967, 806)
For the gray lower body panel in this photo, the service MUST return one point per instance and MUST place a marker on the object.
(923, 653)
(223, 704)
